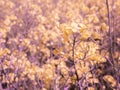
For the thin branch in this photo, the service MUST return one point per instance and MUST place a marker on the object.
(110, 32)
(73, 56)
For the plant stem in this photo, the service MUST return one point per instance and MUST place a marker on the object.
(110, 32)
(73, 56)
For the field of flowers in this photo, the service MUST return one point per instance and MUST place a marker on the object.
(59, 44)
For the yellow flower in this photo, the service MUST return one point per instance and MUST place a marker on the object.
(109, 79)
